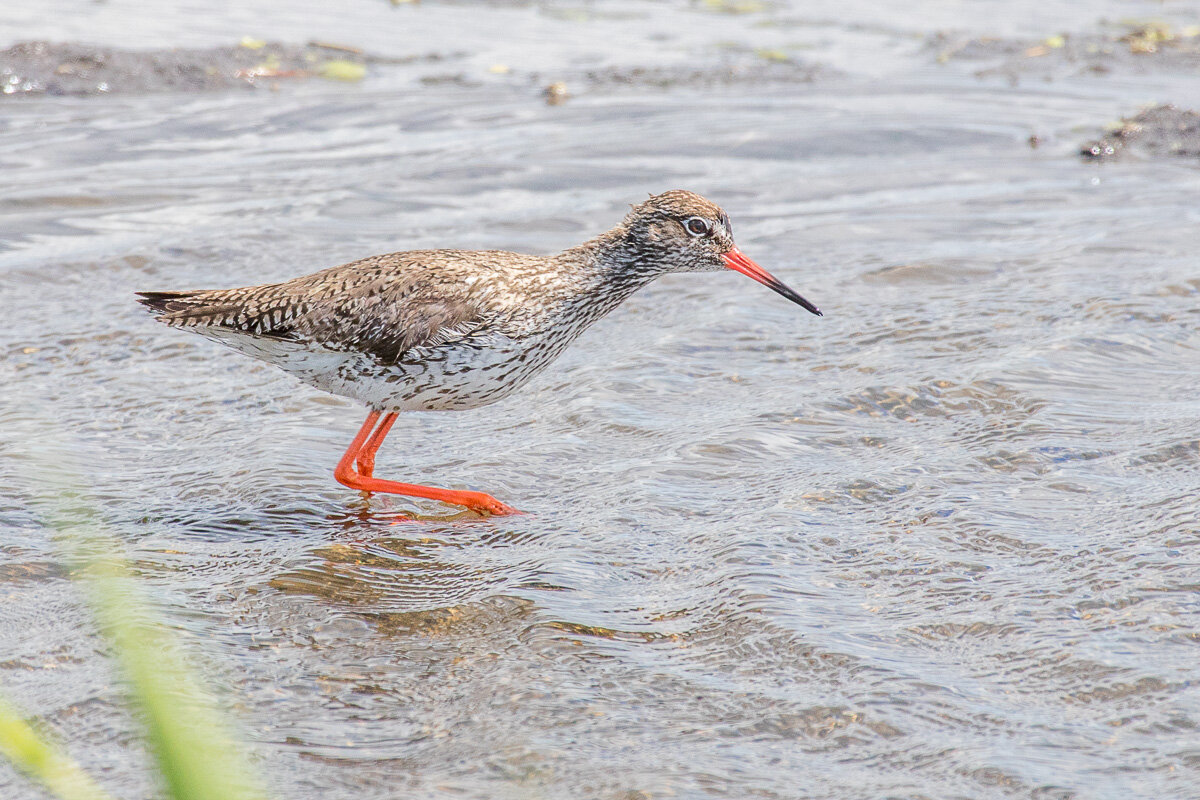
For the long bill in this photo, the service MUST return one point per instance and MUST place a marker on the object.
(736, 260)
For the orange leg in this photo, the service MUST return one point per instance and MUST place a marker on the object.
(362, 450)
(365, 458)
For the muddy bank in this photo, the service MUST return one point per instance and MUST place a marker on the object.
(1128, 48)
(1159, 131)
(36, 68)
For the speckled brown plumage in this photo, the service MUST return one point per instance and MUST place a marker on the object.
(456, 329)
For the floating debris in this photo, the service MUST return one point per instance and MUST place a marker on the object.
(1148, 37)
(339, 69)
(735, 6)
(772, 55)
(556, 93)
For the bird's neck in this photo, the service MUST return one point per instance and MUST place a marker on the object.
(613, 266)
(605, 271)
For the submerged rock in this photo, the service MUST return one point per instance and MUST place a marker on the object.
(1159, 131)
(755, 69)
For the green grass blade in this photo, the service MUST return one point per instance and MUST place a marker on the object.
(41, 760)
(194, 750)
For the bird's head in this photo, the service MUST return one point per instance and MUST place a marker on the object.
(680, 231)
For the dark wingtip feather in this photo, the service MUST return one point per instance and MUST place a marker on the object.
(163, 302)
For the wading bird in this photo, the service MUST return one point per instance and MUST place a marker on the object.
(446, 330)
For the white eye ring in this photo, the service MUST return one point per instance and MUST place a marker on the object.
(697, 226)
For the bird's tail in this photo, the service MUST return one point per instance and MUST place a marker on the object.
(196, 308)
(166, 302)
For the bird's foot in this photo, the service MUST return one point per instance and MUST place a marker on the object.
(487, 505)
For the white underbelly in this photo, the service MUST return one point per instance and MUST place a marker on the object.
(438, 378)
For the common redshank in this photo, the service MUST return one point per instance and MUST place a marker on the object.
(446, 330)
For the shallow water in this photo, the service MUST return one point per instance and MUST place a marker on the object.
(938, 543)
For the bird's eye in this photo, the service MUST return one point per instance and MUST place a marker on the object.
(697, 227)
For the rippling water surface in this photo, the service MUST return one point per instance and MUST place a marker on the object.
(938, 543)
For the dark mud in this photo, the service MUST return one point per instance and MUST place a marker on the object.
(1129, 49)
(1159, 131)
(34, 68)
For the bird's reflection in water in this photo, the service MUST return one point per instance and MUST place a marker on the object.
(412, 573)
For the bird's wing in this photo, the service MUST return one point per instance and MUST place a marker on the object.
(383, 306)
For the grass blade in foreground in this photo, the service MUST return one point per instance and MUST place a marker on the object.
(195, 753)
(41, 759)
